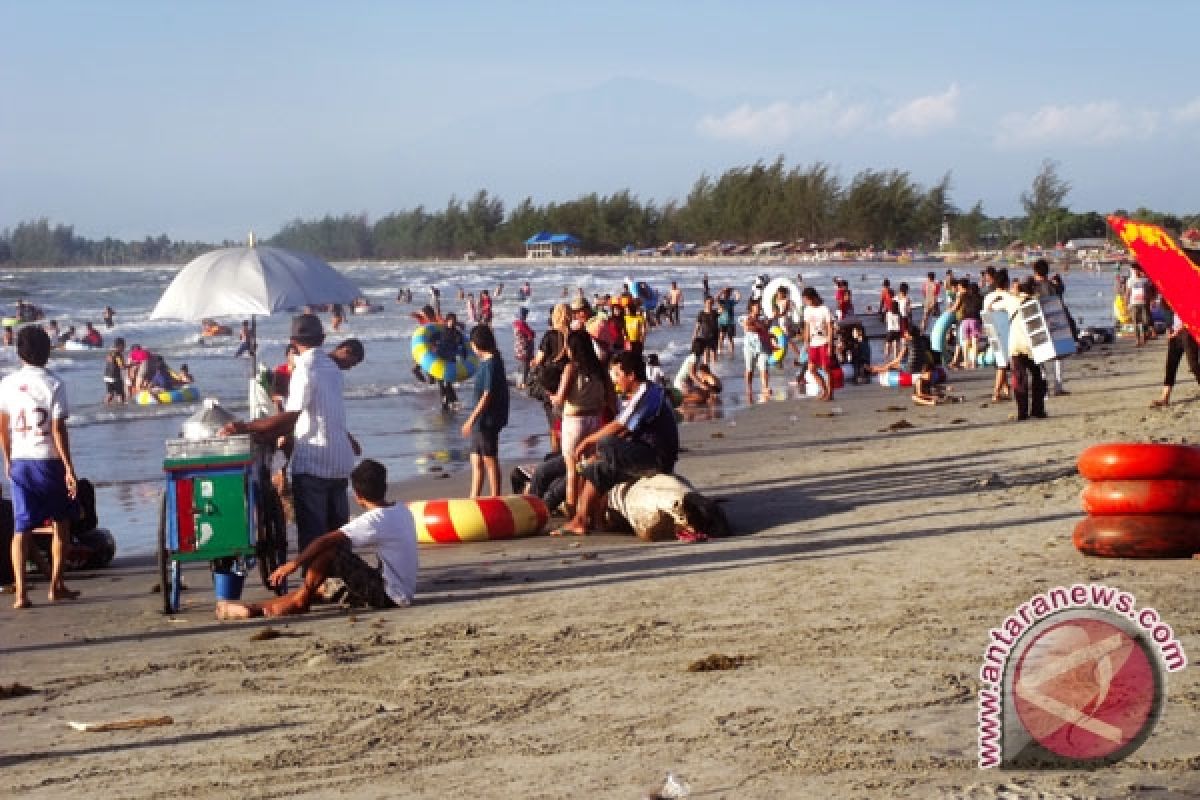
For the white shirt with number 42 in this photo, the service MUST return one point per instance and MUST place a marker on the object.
(33, 397)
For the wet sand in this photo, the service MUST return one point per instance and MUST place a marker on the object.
(870, 566)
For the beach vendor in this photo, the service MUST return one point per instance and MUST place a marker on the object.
(643, 440)
(323, 451)
(387, 528)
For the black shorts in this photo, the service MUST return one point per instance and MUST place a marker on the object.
(618, 461)
(729, 330)
(364, 583)
(892, 336)
(485, 442)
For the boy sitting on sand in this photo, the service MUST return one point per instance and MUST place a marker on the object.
(386, 527)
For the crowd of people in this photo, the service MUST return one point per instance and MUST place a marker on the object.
(610, 408)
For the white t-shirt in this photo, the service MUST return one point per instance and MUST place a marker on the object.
(819, 322)
(33, 397)
(892, 321)
(905, 303)
(322, 438)
(392, 534)
(1137, 291)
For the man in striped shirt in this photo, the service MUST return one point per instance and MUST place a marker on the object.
(324, 451)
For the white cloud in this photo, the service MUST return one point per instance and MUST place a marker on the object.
(1090, 123)
(784, 120)
(1187, 113)
(926, 114)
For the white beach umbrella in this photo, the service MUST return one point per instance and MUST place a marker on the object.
(251, 281)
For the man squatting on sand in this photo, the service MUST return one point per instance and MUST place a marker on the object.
(388, 528)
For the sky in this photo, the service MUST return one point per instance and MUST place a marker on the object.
(204, 120)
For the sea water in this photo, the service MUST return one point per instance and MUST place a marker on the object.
(397, 419)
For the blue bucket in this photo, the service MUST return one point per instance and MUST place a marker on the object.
(228, 585)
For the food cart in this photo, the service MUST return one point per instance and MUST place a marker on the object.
(219, 506)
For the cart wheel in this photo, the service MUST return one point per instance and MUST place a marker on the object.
(271, 548)
(169, 570)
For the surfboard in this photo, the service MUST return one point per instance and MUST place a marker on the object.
(1164, 261)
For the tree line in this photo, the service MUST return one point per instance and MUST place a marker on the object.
(885, 209)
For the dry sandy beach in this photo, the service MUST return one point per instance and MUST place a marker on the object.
(872, 563)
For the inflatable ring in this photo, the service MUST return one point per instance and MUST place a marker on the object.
(1139, 536)
(479, 520)
(941, 327)
(438, 368)
(1165, 496)
(768, 298)
(153, 397)
(1128, 461)
(779, 352)
(894, 378)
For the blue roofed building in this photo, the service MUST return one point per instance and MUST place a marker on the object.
(549, 245)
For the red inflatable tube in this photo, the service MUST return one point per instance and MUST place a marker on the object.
(1139, 536)
(1167, 496)
(1127, 461)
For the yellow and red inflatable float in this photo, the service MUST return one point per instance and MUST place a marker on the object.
(478, 520)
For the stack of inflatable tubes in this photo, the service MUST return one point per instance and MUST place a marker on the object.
(151, 397)
(431, 364)
(894, 378)
(478, 520)
(1143, 501)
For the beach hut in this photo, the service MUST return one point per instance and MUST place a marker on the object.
(550, 245)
